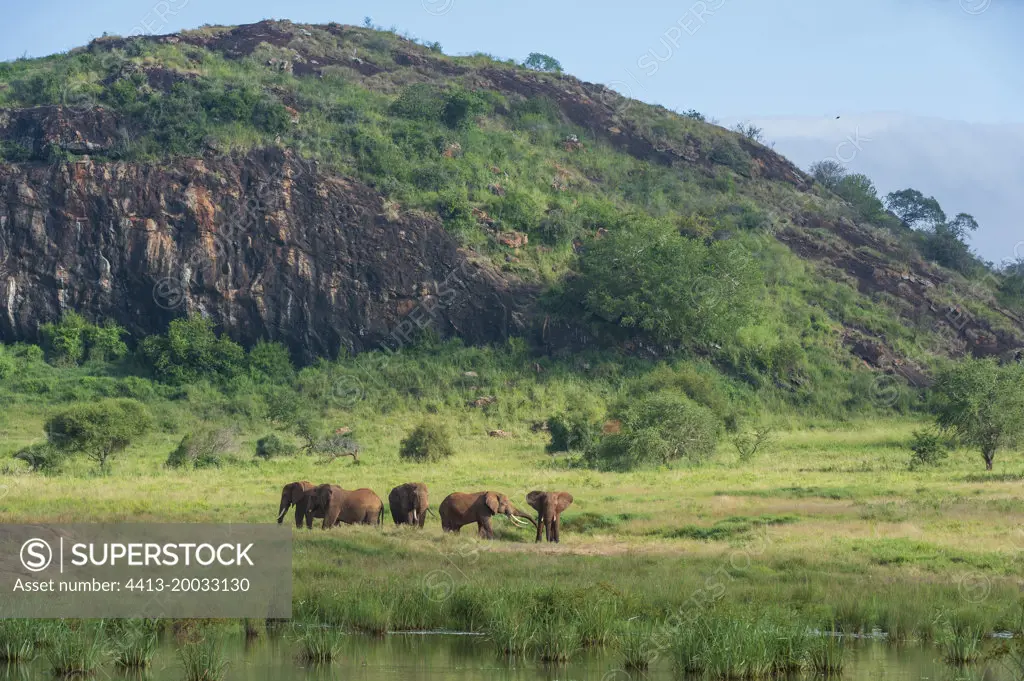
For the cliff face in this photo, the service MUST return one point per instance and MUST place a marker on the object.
(264, 244)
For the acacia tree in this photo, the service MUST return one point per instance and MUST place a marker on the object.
(982, 403)
(542, 62)
(98, 429)
(915, 209)
(828, 173)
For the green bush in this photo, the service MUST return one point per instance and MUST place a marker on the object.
(572, 432)
(928, 447)
(98, 429)
(422, 102)
(676, 290)
(657, 430)
(42, 457)
(271, 447)
(429, 441)
(64, 341)
(6, 364)
(454, 208)
(191, 351)
(202, 449)
(519, 210)
(271, 362)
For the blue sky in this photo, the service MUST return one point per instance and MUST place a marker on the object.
(957, 59)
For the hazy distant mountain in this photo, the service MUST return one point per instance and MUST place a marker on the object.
(969, 167)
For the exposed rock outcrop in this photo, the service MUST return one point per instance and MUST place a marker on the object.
(263, 244)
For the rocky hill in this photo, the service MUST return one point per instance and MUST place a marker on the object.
(340, 188)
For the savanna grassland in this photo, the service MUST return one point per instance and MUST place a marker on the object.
(827, 521)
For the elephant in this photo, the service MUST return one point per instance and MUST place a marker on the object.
(549, 506)
(336, 505)
(408, 504)
(294, 493)
(460, 508)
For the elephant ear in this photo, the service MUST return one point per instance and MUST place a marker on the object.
(491, 500)
(536, 499)
(564, 501)
(296, 491)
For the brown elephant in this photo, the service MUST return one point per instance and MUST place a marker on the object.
(549, 506)
(409, 504)
(336, 505)
(460, 508)
(294, 493)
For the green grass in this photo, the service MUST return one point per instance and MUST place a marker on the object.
(960, 641)
(17, 640)
(135, 644)
(319, 645)
(634, 643)
(77, 651)
(827, 654)
(203, 660)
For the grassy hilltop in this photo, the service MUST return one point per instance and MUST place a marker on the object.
(689, 291)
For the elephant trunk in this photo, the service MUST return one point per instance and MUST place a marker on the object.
(284, 509)
(515, 513)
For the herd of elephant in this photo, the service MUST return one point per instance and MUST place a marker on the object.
(409, 505)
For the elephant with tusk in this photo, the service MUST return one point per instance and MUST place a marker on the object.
(408, 504)
(549, 507)
(294, 493)
(460, 508)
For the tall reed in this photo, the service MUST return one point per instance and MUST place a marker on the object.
(17, 640)
(203, 660)
(77, 651)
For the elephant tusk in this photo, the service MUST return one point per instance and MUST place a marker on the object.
(281, 514)
(517, 521)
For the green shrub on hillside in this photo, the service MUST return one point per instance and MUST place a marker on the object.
(658, 430)
(73, 339)
(676, 290)
(7, 364)
(272, 447)
(429, 441)
(191, 351)
(423, 102)
(572, 432)
(271, 362)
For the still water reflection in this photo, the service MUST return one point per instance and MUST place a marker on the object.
(411, 657)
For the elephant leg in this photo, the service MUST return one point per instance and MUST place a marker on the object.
(485, 528)
(298, 515)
